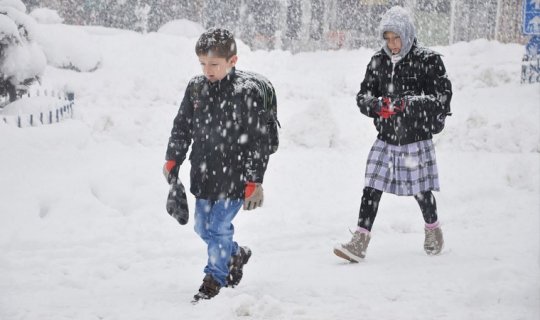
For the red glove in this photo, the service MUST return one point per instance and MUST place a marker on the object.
(170, 170)
(254, 196)
(250, 188)
(385, 108)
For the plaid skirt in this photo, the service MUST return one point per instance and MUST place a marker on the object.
(402, 170)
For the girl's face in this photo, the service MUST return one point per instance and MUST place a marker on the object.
(393, 41)
(215, 68)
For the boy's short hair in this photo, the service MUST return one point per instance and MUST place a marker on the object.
(216, 42)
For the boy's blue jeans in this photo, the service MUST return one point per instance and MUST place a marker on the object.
(213, 223)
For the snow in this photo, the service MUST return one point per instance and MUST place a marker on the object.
(17, 4)
(182, 27)
(22, 20)
(30, 56)
(85, 235)
(8, 29)
(70, 47)
(46, 16)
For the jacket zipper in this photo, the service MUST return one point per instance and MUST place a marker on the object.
(392, 105)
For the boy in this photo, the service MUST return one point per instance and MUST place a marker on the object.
(223, 113)
(407, 93)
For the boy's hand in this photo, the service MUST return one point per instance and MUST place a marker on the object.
(254, 196)
(170, 170)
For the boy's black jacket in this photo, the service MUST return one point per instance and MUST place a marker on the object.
(420, 77)
(226, 121)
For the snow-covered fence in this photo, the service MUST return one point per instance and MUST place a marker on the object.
(38, 107)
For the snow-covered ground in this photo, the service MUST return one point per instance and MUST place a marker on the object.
(84, 233)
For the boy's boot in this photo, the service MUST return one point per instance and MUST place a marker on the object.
(434, 242)
(354, 250)
(209, 289)
(236, 266)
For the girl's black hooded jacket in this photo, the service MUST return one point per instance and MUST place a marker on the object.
(420, 79)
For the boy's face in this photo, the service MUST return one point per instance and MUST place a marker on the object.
(215, 68)
(393, 41)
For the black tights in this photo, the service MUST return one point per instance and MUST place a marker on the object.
(370, 205)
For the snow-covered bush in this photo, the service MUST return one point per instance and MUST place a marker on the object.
(68, 47)
(65, 47)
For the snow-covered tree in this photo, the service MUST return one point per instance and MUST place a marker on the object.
(22, 61)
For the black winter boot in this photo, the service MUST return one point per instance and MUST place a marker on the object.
(236, 266)
(209, 289)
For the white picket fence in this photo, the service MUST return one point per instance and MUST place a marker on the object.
(53, 112)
